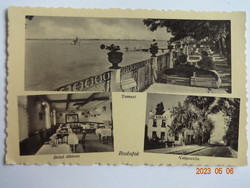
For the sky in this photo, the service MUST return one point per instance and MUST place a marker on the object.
(219, 127)
(43, 27)
(170, 101)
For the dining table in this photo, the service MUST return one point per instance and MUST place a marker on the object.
(85, 126)
(103, 132)
(71, 138)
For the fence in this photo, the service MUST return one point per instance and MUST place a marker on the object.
(141, 72)
(99, 82)
(163, 61)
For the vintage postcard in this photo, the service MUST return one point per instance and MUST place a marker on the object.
(126, 87)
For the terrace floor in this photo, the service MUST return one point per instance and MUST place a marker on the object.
(160, 87)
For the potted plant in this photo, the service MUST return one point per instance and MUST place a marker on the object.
(114, 56)
(153, 49)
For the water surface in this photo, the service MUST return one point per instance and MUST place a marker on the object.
(50, 64)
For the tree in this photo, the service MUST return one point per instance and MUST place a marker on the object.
(183, 117)
(28, 18)
(230, 107)
(203, 107)
(212, 30)
(196, 111)
(197, 29)
(208, 127)
(159, 109)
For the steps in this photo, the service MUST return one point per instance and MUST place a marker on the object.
(224, 70)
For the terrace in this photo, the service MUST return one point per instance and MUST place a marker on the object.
(148, 75)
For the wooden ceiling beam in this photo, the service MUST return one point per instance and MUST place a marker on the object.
(68, 101)
(90, 98)
(80, 100)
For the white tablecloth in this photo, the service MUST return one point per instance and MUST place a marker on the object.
(59, 149)
(98, 131)
(85, 126)
(69, 130)
(73, 139)
(104, 132)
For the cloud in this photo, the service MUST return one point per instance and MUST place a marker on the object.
(98, 28)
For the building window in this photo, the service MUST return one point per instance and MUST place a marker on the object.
(154, 135)
(163, 124)
(155, 123)
(162, 135)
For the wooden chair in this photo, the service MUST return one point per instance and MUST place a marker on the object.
(83, 140)
(31, 145)
(62, 138)
(43, 135)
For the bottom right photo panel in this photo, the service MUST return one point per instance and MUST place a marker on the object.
(192, 125)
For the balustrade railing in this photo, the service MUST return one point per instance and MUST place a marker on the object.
(141, 72)
(99, 82)
(163, 61)
(135, 77)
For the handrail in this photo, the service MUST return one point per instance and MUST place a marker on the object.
(87, 83)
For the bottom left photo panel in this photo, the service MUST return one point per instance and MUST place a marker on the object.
(65, 123)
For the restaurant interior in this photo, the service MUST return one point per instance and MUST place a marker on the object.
(65, 123)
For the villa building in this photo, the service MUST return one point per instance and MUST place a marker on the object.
(159, 126)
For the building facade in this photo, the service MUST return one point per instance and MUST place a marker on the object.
(159, 126)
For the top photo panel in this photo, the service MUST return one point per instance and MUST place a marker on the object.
(127, 54)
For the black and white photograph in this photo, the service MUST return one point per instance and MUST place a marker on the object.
(192, 125)
(127, 54)
(65, 123)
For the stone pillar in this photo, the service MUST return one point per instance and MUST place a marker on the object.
(115, 80)
(53, 116)
(171, 59)
(47, 115)
(186, 50)
(155, 68)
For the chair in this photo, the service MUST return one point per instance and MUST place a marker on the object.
(83, 140)
(79, 129)
(62, 138)
(48, 134)
(31, 145)
(43, 135)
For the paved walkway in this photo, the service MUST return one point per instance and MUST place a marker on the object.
(196, 150)
(224, 70)
(160, 87)
(178, 149)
